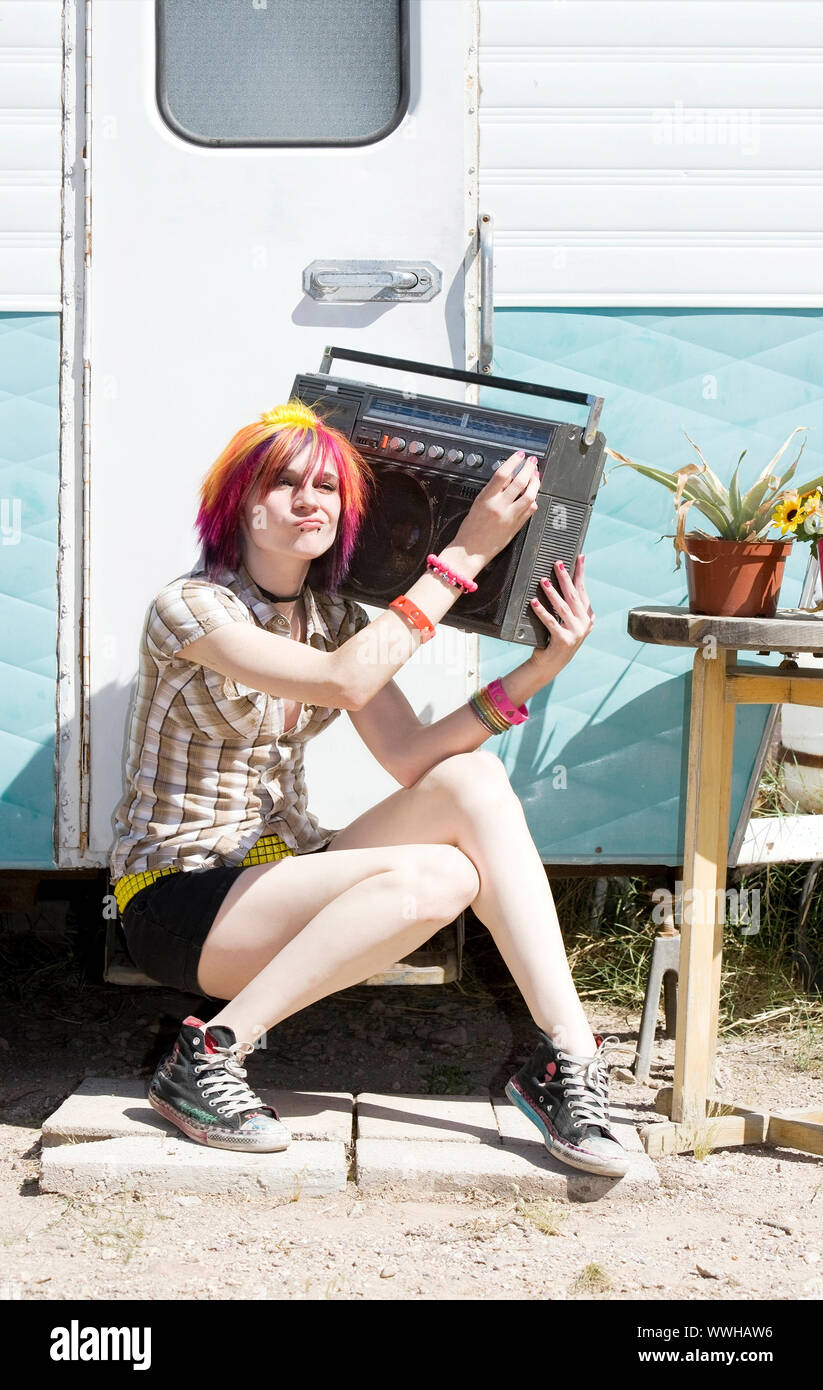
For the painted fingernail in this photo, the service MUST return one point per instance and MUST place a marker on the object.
(560, 565)
(521, 454)
(532, 458)
(535, 602)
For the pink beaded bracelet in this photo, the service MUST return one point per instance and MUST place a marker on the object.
(514, 714)
(433, 562)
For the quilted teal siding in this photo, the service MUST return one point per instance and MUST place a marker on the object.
(600, 767)
(29, 433)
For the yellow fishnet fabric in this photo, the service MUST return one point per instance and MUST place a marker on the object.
(263, 851)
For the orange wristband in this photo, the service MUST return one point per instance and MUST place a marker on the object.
(410, 610)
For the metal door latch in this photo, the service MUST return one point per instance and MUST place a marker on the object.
(362, 282)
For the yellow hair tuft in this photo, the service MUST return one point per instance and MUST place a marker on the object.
(295, 413)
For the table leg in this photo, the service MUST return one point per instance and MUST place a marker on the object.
(701, 934)
(724, 779)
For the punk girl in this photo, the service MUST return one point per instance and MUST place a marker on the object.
(216, 860)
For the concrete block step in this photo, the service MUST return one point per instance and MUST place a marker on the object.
(310, 1166)
(408, 1143)
(431, 1165)
(106, 1136)
(461, 1119)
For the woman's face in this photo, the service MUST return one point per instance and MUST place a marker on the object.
(296, 520)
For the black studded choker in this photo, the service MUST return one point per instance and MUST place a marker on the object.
(280, 598)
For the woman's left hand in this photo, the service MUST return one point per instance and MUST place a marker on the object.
(576, 614)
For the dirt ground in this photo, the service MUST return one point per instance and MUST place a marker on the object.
(742, 1223)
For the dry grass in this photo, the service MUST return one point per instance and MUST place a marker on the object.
(546, 1216)
(592, 1279)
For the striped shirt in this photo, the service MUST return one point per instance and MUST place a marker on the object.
(209, 765)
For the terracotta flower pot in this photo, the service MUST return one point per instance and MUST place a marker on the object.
(742, 579)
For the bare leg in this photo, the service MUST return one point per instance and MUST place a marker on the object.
(468, 801)
(264, 956)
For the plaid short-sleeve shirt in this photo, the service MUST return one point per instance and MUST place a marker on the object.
(209, 767)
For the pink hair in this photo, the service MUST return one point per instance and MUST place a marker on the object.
(255, 459)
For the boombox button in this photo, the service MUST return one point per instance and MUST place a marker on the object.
(436, 451)
(455, 456)
(397, 444)
(416, 447)
(474, 460)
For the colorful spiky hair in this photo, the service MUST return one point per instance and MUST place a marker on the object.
(294, 413)
(254, 459)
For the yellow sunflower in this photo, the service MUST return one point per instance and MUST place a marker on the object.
(789, 513)
(812, 501)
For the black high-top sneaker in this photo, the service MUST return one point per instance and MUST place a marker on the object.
(201, 1087)
(567, 1097)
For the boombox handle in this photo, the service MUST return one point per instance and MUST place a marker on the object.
(503, 383)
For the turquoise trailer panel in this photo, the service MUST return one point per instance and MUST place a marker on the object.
(600, 767)
(29, 475)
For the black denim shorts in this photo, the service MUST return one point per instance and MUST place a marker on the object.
(166, 923)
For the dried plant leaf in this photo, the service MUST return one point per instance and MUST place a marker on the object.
(683, 475)
(622, 457)
(710, 509)
(767, 470)
(680, 536)
(790, 471)
(710, 474)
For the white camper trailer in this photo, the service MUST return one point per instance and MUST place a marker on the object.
(198, 198)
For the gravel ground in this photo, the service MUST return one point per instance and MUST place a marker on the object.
(740, 1224)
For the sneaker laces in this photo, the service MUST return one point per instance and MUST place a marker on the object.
(586, 1085)
(232, 1090)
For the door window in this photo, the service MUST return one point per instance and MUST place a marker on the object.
(259, 72)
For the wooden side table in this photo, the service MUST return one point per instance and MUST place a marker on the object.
(719, 683)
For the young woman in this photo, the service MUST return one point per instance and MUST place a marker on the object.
(214, 861)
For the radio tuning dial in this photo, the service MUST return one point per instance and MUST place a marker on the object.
(436, 451)
(416, 447)
(474, 460)
(397, 443)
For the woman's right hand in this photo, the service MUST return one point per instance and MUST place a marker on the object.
(501, 508)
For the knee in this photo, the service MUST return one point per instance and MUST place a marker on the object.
(440, 880)
(475, 776)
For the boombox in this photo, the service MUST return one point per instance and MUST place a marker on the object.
(430, 458)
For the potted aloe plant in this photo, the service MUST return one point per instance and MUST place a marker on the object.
(738, 572)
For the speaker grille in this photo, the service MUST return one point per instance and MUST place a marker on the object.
(559, 542)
